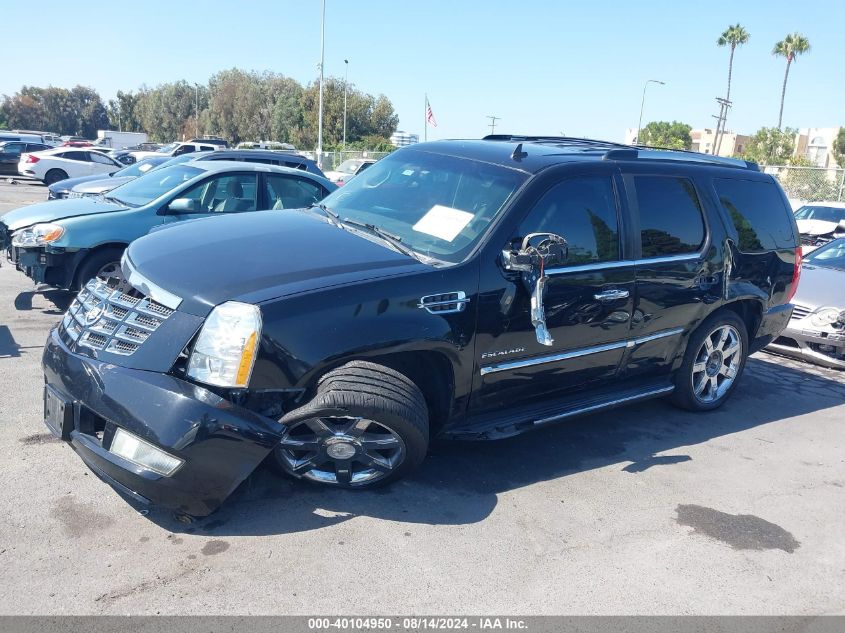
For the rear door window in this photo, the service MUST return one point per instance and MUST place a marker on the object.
(671, 222)
(80, 156)
(289, 192)
(758, 213)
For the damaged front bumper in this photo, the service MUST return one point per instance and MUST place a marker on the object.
(43, 267)
(219, 443)
(826, 348)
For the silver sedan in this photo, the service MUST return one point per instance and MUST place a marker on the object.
(816, 331)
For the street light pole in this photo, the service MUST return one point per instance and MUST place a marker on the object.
(345, 92)
(322, 60)
(642, 105)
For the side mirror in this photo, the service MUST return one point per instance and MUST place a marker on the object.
(183, 205)
(532, 260)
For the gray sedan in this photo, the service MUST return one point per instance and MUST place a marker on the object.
(816, 331)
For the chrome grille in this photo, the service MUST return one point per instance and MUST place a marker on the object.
(113, 318)
(799, 312)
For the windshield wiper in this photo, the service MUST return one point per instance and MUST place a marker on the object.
(331, 215)
(390, 238)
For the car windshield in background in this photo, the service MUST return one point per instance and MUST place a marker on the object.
(349, 166)
(828, 256)
(828, 214)
(150, 186)
(437, 205)
(167, 148)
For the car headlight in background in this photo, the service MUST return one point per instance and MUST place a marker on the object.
(825, 316)
(37, 235)
(225, 351)
(138, 451)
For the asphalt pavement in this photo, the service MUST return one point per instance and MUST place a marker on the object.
(645, 510)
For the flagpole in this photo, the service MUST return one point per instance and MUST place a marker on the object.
(425, 118)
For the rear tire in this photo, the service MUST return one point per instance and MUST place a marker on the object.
(104, 264)
(53, 176)
(713, 363)
(367, 425)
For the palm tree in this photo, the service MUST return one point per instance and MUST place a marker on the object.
(733, 36)
(790, 47)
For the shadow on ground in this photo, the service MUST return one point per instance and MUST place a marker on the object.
(459, 482)
(57, 301)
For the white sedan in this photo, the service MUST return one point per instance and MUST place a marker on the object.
(53, 165)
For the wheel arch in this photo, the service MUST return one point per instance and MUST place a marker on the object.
(750, 311)
(91, 253)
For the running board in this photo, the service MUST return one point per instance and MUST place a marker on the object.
(498, 426)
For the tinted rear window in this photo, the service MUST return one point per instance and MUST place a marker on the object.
(758, 213)
(670, 216)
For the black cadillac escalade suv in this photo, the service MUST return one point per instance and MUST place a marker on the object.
(457, 289)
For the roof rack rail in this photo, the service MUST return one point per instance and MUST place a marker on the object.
(557, 140)
(662, 153)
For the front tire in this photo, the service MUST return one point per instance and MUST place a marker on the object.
(367, 425)
(103, 264)
(713, 363)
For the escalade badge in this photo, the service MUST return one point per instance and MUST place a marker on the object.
(94, 315)
(505, 352)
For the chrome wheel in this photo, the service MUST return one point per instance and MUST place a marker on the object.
(343, 451)
(110, 271)
(717, 364)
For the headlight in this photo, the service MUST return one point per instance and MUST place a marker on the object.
(227, 345)
(825, 316)
(37, 235)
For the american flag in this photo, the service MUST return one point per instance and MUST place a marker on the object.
(429, 115)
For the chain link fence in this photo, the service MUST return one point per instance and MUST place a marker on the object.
(810, 184)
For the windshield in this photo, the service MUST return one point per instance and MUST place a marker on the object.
(151, 185)
(828, 214)
(348, 166)
(167, 148)
(830, 255)
(438, 205)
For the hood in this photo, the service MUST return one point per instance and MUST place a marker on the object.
(56, 210)
(821, 287)
(103, 184)
(254, 257)
(69, 183)
(816, 227)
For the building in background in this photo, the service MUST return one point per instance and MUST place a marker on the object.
(703, 140)
(816, 145)
(401, 139)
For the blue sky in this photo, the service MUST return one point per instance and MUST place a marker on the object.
(543, 66)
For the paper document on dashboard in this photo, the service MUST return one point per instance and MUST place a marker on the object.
(443, 222)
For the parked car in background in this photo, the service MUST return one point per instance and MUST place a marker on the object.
(820, 223)
(348, 169)
(124, 156)
(213, 140)
(77, 142)
(95, 185)
(59, 163)
(10, 154)
(816, 331)
(26, 137)
(177, 149)
(458, 289)
(268, 157)
(66, 242)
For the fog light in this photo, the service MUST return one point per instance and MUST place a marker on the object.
(137, 451)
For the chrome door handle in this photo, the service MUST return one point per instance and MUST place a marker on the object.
(612, 295)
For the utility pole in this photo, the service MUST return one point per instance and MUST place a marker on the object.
(724, 106)
(493, 120)
(345, 93)
(322, 61)
(197, 100)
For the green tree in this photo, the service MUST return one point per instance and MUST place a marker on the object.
(733, 36)
(771, 146)
(839, 148)
(674, 135)
(790, 48)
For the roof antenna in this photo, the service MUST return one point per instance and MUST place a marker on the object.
(518, 154)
